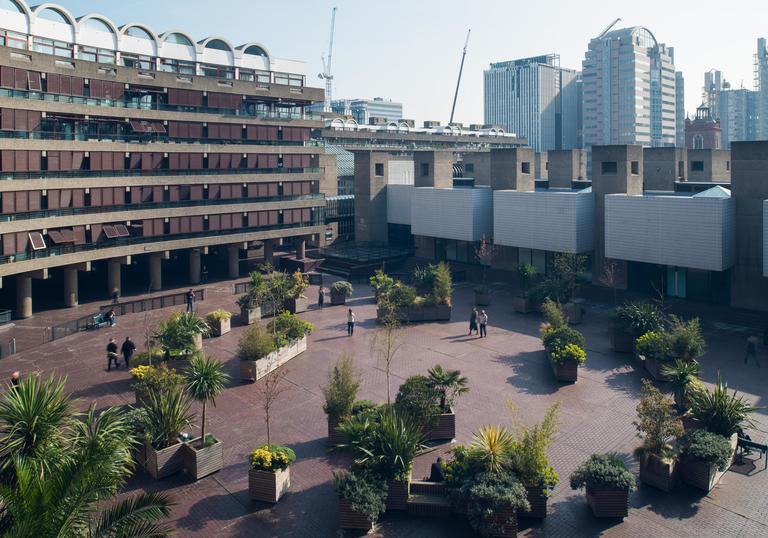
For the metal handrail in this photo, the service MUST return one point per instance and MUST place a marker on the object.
(79, 174)
(148, 138)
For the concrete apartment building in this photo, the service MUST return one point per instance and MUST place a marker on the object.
(131, 156)
(536, 98)
(761, 86)
(629, 94)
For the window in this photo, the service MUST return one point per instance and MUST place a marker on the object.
(379, 169)
(525, 167)
(424, 169)
(54, 15)
(178, 39)
(681, 169)
(137, 61)
(13, 40)
(93, 54)
(697, 166)
(698, 142)
(169, 65)
(254, 76)
(728, 165)
(98, 25)
(218, 71)
(609, 167)
(50, 46)
(255, 50)
(289, 79)
(635, 168)
(217, 44)
(139, 32)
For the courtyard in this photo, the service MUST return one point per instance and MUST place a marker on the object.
(596, 416)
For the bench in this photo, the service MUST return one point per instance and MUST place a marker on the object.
(745, 446)
(99, 321)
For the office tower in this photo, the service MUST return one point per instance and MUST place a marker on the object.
(761, 85)
(679, 110)
(735, 108)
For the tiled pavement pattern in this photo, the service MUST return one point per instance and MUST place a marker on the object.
(597, 415)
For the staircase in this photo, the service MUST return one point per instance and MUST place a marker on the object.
(429, 499)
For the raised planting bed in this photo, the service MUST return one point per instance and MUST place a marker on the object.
(338, 297)
(255, 370)
(397, 494)
(567, 371)
(421, 313)
(509, 529)
(658, 472)
(335, 437)
(703, 475)
(142, 396)
(443, 427)
(622, 342)
(538, 501)
(654, 367)
(221, 327)
(522, 305)
(296, 306)
(249, 316)
(349, 518)
(163, 463)
(200, 462)
(608, 503)
(268, 486)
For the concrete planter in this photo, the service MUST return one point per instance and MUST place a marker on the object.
(349, 518)
(296, 306)
(653, 366)
(567, 371)
(249, 316)
(482, 298)
(574, 313)
(255, 370)
(397, 494)
(335, 437)
(163, 463)
(200, 462)
(221, 327)
(538, 501)
(658, 472)
(703, 475)
(338, 297)
(421, 313)
(509, 526)
(608, 502)
(197, 342)
(443, 427)
(522, 305)
(622, 342)
(268, 486)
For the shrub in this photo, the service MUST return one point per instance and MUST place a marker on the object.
(708, 447)
(568, 353)
(442, 288)
(271, 458)
(525, 274)
(423, 278)
(492, 447)
(417, 398)
(529, 453)
(381, 284)
(363, 490)
(167, 415)
(449, 384)
(653, 345)
(341, 390)
(256, 292)
(603, 471)
(144, 358)
(656, 421)
(400, 296)
(637, 319)
(682, 376)
(362, 406)
(392, 445)
(685, 338)
(153, 379)
(178, 331)
(256, 343)
(553, 314)
(489, 494)
(135, 418)
(290, 326)
(567, 268)
(557, 338)
(217, 316)
(718, 411)
(342, 287)
(298, 285)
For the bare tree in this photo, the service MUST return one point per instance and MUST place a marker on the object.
(485, 253)
(272, 387)
(610, 277)
(387, 340)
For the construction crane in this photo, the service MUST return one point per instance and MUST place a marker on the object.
(458, 82)
(327, 74)
(607, 28)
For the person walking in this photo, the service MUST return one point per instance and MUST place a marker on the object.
(752, 350)
(112, 355)
(350, 323)
(321, 297)
(127, 350)
(204, 275)
(483, 319)
(190, 300)
(473, 321)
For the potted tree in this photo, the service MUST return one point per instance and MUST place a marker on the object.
(250, 302)
(269, 475)
(607, 482)
(219, 321)
(182, 334)
(683, 378)
(525, 275)
(485, 254)
(206, 379)
(567, 269)
(297, 302)
(686, 341)
(449, 384)
(632, 320)
(706, 458)
(361, 499)
(565, 347)
(417, 398)
(653, 349)
(657, 424)
(167, 415)
(340, 290)
(340, 393)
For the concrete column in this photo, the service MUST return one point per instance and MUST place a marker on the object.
(301, 248)
(113, 278)
(233, 257)
(70, 287)
(23, 296)
(155, 272)
(194, 266)
(269, 255)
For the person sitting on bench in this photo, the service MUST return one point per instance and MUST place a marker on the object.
(436, 472)
(111, 317)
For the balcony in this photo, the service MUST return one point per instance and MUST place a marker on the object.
(552, 220)
(694, 231)
(463, 214)
(80, 174)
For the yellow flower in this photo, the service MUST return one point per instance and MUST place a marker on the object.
(140, 372)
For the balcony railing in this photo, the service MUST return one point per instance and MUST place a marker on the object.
(71, 211)
(138, 105)
(80, 174)
(316, 220)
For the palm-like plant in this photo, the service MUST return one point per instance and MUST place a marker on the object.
(683, 378)
(393, 444)
(448, 383)
(492, 446)
(206, 379)
(179, 331)
(167, 415)
(720, 412)
(66, 490)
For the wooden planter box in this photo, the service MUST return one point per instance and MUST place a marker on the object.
(653, 367)
(338, 297)
(296, 306)
(397, 494)
(350, 518)
(255, 370)
(139, 453)
(200, 462)
(703, 475)
(521, 305)
(221, 327)
(163, 463)
(249, 316)
(482, 298)
(612, 503)
(509, 529)
(198, 342)
(443, 427)
(657, 472)
(574, 313)
(142, 396)
(268, 486)
(622, 342)
(538, 501)
(421, 313)
(567, 371)
(335, 437)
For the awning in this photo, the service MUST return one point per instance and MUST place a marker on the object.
(110, 231)
(122, 230)
(61, 236)
(37, 241)
(147, 127)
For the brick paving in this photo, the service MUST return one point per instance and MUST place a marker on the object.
(597, 415)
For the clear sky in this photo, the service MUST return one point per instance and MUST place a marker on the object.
(409, 50)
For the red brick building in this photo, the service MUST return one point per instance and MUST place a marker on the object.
(703, 132)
